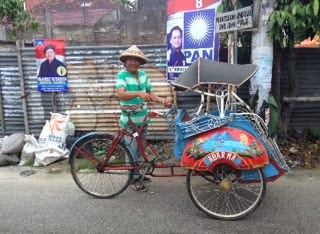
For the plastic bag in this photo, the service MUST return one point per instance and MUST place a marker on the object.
(28, 150)
(52, 140)
(59, 129)
(44, 135)
(49, 155)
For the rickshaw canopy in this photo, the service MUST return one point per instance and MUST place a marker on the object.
(204, 71)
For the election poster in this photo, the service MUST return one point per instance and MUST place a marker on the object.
(190, 34)
(51, 66)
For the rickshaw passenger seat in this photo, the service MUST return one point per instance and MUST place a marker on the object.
(186, 118)
(181, 117)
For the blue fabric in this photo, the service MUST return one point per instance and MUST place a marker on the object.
(176, 58)
(180, 142)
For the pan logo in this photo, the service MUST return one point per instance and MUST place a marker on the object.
(39, 43)
(199, 29)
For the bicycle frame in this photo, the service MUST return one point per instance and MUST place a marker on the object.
(135, 134)
(141, 141)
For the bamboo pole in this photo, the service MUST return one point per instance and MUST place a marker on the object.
(301, 99)
(23, 94)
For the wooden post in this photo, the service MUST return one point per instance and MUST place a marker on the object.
(209, 98)
(49, 36)
(235, 37)
(23, 94)
(256, 14)
(232, 41)
(175, 101)
(230, 47)
(1, 116)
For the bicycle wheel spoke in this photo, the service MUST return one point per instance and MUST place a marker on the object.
(116, 175)
(225, 193)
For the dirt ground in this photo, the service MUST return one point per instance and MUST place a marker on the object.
(301, 150)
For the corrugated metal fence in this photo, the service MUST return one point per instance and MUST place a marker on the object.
(306, 114)
(91, 100)
(11, 115)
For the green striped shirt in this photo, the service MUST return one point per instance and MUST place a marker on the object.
(126, 80)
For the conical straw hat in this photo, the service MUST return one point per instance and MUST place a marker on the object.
(133, 51)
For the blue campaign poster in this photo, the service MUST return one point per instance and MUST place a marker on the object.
(51, 66)
(190, 34)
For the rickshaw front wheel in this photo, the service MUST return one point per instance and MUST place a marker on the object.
(225, 193)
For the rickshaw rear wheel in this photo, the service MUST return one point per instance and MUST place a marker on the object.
(225, 193)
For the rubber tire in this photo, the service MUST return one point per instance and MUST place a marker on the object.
(96, 183)
(227, 217)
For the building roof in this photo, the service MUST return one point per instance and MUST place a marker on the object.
(308, 43)
(71, 12)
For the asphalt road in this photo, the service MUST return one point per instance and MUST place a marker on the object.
(52, 203)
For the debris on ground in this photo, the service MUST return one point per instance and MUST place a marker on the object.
(302, 150)
(27, 172)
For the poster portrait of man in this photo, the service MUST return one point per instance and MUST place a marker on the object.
(51, 66)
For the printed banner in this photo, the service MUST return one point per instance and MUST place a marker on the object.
(190, 34)
(234, 20)
(51, 66)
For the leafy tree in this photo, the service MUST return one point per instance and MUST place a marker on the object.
(227, 5)
(129, 4)
(14, 17)
(290, 23)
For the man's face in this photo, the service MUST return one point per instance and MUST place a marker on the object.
(132, 64)
(50, 54)
(176, 39)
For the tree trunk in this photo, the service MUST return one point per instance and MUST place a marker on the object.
(287, 107)
(276, 90)
(276, 74)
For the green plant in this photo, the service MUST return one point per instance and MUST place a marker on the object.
(29, 163)
(16, 20)
(314, 133)
(291, 22)
(129, 4)
(85, 165)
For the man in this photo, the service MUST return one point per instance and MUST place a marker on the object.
(133, 88)
(52, 67)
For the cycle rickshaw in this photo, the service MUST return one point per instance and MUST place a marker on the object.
(226, 149)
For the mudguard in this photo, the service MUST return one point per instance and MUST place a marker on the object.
(229, 145)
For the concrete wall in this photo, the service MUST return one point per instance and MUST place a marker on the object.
(146, 25)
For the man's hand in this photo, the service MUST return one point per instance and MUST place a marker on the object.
(167, 103)
(146, 97)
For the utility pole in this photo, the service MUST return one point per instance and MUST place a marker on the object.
(262, 53)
